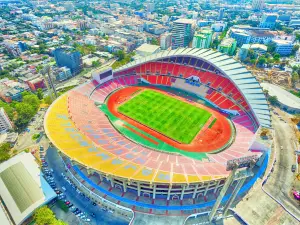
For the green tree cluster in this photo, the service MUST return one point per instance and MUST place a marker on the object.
(4, 152)
(273, 100)
(44, 216)
(154, 41)
(123, 59)
(96, 63)
(85, 49)
(26, 109)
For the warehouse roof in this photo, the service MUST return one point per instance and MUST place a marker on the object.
(22, 188)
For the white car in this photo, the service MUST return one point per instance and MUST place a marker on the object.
(63, 188)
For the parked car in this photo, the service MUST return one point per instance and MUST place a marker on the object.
(294, 168)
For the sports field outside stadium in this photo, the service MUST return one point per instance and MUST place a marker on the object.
(171, 117)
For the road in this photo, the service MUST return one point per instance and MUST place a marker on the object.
(35, 126)
(257, 207)
(102, 217)
(282, 178)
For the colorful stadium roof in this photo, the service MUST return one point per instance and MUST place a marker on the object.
(221, 64)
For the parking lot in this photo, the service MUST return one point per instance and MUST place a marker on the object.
(81, 208)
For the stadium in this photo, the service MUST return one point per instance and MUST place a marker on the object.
(160, 127)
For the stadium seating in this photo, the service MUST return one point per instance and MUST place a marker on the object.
(102, 91)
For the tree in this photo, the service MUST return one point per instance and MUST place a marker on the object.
(4, 152)
(96, 63)
(295, 77)
(32, 100)
(40, 93)
(262, 60)
(271, 48)
(297, 36)
(120, 54)
(43, 216)
(273, 100)
(154, 41)
(276, 57)
(48, 100)
(295, 49)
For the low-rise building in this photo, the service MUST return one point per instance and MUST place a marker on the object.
(243, 52)
(227, 46)
(268, 20)
(241, 36)
(165, 41)
(283, 47)
(219, 26)
(259, 49)
(147, 49)
(62, 73)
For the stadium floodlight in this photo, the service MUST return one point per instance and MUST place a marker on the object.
(233, 165)
(46, 72)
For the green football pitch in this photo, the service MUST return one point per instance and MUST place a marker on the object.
(173, 118)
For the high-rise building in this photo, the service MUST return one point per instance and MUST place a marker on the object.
(72, 60)
(221, 13)
(268, 20)
(202, 39)
(5, 123)
(182, 32)
(227, 46)
(165, 41)
(258, 4)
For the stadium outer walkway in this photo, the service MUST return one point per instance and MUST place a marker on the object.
(245, 188)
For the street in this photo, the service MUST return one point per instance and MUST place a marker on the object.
(101, 217)
(282, 178)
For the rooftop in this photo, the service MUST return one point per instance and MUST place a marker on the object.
(282, 95)
(22, 186)
(259, 46)
(187, 21)
(148, 48)
(283, 42)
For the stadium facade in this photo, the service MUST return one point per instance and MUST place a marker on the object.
(86, 137)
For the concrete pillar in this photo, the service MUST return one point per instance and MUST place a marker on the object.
(139, 189)
(206, 189)
(195, 190)
(221, 195)
(154, 191)
(112, 183)
(169, 192)
(89, 171)
(101, 176)
(124, 186)
(217, 186)
(182, 192)
(233, 195)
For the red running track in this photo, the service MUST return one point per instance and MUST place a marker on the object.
(207, 140)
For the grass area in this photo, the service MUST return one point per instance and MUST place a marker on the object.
(167, 115)
(212, 123)
(161, 146)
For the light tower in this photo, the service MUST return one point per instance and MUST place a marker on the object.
(49, 83)
(240, 169)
